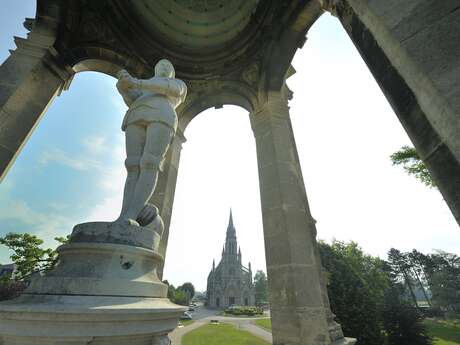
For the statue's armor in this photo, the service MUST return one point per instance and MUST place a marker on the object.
(148, 106)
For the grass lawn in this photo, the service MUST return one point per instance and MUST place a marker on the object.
(264, 323)
(444, 332)
(187, 322)
(220, 334)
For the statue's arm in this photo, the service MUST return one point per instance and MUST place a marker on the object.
(170, 87)
(125, 86)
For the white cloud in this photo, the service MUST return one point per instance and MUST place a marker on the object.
(80, 162)
(95, 144)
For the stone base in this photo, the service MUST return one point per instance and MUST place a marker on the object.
(82, 320)
(104, 290)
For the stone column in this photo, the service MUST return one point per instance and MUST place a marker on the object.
(165, 190)
(298, 308)
(412, 50)
(29, 80)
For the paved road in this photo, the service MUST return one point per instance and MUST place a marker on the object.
(203, 316)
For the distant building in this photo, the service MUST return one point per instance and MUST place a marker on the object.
(230, 283)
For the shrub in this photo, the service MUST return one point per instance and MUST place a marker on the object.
(243, 310)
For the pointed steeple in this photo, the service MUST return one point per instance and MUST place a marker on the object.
(230, 228)
(230, 239)
(213, 265)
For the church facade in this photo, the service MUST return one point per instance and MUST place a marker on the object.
(230, 283)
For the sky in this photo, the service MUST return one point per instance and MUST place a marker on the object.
(71, 169)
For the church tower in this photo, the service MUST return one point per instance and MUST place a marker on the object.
(230, 283)
(231, 243)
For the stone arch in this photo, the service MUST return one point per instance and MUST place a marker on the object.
(215, 95)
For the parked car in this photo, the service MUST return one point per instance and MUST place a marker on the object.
(191, 309)
(186, 316)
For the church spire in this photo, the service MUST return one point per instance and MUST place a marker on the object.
(231, 232)
(230, 240)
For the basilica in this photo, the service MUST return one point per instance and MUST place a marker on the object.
(230, 283)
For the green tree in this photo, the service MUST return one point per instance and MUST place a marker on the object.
(260, 285)
(189, 289)
(412, 164)
(443, 270)
(402, 321)
(180, 297)
(402, 268)
(28, 255)
(356, 287)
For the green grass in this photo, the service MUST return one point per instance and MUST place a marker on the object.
(264, 323)
(220, 334)
(444, 332)
(187, 322)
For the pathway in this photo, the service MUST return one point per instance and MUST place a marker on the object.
(203, 316)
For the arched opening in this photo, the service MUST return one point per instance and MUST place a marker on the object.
(345, 132)
(71, 169)
(218, 171)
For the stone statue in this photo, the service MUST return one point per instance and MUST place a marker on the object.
(150, 125)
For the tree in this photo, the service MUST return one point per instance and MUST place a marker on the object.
(402, 322)
(402, 269)
(28, 256)
(443, 270)
(260, 284)
(189, 289)
(180, 297)
(412, 164)
(357, 284)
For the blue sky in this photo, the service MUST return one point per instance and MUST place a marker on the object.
(71, 169)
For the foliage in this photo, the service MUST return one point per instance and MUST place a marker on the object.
(357, 284)
(412, 164)
(181, 295)
(443, 271)
(28, 256)
(444, 332)
(189, 289)
(402, 321)
(436, 274)
(220, 334)
(264, 323)
(244, 310)
(260, 284)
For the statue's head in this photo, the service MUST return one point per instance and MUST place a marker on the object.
(164, 68)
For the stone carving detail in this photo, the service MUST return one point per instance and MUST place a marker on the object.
(251, 74)
(150, 125)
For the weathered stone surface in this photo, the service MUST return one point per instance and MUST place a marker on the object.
(118, 233)
(299, 306)
(75, 320)
(416, 63)
(28, 83)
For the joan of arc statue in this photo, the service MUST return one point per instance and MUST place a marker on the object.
(149, 124)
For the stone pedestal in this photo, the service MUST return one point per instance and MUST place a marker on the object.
(104, 290)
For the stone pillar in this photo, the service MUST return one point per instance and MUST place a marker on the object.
(29, 80)
(411, 48)
(298, 310)
(165, 190)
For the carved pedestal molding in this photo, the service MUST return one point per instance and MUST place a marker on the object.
(298, 300)
(104, 291)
